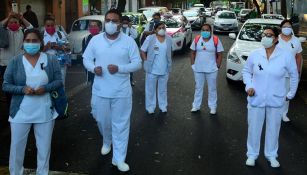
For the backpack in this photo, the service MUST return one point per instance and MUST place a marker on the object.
(4, 37)
(215, 41)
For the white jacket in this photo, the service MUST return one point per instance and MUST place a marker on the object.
(267, 77)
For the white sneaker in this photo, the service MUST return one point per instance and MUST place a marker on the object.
(213, 111)
(274, 163)
(105, 149)
(194, 110)
(285, 118)
(122, 166)
(250, 162)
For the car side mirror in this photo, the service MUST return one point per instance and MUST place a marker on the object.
(302, 39)
(232, 36)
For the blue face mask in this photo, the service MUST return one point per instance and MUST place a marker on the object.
(205, 34)
(31, 48)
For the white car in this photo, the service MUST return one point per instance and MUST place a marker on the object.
(208, 12)
(243, 14)
(79, 30)
(181, 35)
(272, 16)
(225, 21)
(247, 40)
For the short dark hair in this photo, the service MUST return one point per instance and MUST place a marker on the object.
(126, 18)
(49, 17)
(285, 21)
(158, 24)
(275, 30)
(37, 33)
(206, 24)
(115, 11)
(28, 7)
(156, 14)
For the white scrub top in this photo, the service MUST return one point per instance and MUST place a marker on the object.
(293, 45)
(35, 108)
(205, 59)
(53, 38)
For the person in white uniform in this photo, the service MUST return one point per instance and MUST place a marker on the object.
(112, 55)
(291, 43)
(55, 43)
(156, 52)
(30, 77)
(264, 77)
(206, 59)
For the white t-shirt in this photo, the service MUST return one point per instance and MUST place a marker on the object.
(205, 60)
(159, 66)
(122, 52)
(293, 45)
(35, 108)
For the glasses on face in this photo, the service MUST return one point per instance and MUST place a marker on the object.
(112, 20)
(269, 35)
(31, 40)
(286, 27)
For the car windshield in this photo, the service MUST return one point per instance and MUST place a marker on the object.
(273, 17)
(190, 14)
(171, 23)
(252, 32)
(227, 15)
(80, 25)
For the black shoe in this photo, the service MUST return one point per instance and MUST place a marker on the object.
(150, 113)
(163, 112)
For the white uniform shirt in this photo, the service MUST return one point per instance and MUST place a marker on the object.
(122, 52)
(267, 77)
(159, 66)
(205, 59)
(35, 108)
(53, 38)
(130, 31)
(293, 45)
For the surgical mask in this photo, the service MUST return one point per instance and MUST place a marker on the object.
(50, 30)
(111, 28)
(13, 27)
(94, 30)
(267, 42)
(125, 25)
(286, 31)
(205, 34)
(161, 32)
(31, 48)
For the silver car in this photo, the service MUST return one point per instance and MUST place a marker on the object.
(79, 30)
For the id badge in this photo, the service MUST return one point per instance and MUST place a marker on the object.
(156, 50)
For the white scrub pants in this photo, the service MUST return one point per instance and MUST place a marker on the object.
(151, 91)
(200, 78)
(19, 137)
(286, 104)
(63, 71)
(113, 120)
(256, 117)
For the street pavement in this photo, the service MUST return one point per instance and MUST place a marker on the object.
(176, 143)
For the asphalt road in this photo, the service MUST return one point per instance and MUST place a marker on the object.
(176, 143)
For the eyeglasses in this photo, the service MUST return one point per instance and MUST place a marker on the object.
(112, 20)
(269, 35)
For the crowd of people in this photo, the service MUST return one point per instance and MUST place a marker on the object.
(35, 63)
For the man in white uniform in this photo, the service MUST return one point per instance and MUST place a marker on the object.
(115, 55)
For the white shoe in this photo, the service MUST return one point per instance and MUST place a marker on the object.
(105, 149)
(285, 118)
(194, 110)
(274, 163)
(250, 162)
(213, 111)
(122, 166)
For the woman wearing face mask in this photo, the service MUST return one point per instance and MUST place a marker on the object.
(94, 29)
(15, 35)
(289, 42)
(264, 77)
(30, 77)
(157, 55)
(206, 59)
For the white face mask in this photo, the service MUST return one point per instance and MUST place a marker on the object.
(267, 42)
(286, 31)
(125, 25)
(161, 32)
(110, 28)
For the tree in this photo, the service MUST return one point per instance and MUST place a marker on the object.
(283, 4)
(258, 8)
(121, 5)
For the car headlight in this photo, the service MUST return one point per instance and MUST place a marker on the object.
(232, 56)
(177, 35)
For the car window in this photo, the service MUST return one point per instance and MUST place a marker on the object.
(252, 32)
(80, 25)
(227, 15)
(190, 14)
(171, 23)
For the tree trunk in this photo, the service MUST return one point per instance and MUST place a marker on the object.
(121, 5)
(258, 8)
(283, 9)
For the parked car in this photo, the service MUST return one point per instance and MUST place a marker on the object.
(198, 5)
(209, 12)
(247, 40)
(225, 21)
(176, 11)
(138, 21)
(149, 11)
(79, 30)
(194, 18)
(181, 35)
(272, 16)
(244, 14)
(200, 10)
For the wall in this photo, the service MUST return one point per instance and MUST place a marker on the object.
(38, 7)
